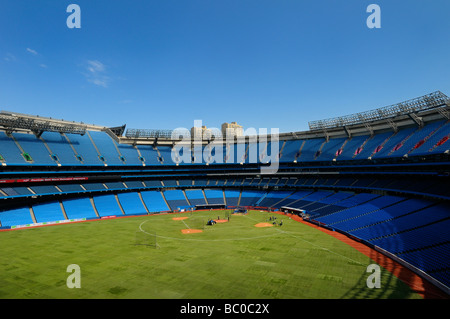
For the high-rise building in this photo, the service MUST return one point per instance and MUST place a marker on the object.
(232, 129)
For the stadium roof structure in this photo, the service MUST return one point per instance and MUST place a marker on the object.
(148, 133)
(415, 112)
(11, 121)
(427, 102)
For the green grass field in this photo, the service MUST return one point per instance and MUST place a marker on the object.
(228, 260)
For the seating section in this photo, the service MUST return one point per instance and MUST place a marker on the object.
(394, 143)
(372, 145)
(271, 199)
(106, 148)
(48, 212)
(98, 148)
(232, 197)
(129, 154)
(310, 150)
(250, 198)
(165, 155)
(366, 183)
(154, 201)
(290, 150)
(436, 143)
(79, 208)
(149, 154)
(9, 151)
(84, 148)
(214, 196)
(195, 197)
(351, 148)
(131, 203)
(176, 199)
(33, 146)
(61, 148)
(14, 217)
(107, 205)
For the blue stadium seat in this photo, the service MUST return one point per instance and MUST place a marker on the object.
(250, 197)
(310, 150)
(48, 212)
(293, 198)
(214, 196)
(195, 197)
(60, 147)
(134, 184)
(419, 135)
(274, 197)
(94, 186)
(176, 199)
(430, 145)
(372, 144)
(14, 217)
(395, 141)
(35, 148)
(309, 199)
(130, 154)
(131, 203)
(290, 150)
(84, 148)
(10, 152)
(349, 149)
(153, 183)
(329, 149)
(45, 189)
(17, 191)
(107, 205)
(149, 155)
(106, 147)
(79, 208)
(232, 197)
(165, 153)
(154, 201)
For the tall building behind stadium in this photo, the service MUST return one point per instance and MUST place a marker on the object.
(380, 177)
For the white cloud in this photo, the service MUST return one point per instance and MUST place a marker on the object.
(32, 51)
(95, 66)
(96, 73)
(9, 57)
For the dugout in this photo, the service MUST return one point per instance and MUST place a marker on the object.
(296, 211)
(210, 206)
(240, 210)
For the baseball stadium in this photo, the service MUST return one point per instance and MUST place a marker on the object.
(356, 207)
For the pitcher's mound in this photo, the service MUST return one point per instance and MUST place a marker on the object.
(191, 231)
(221, 220)
(263, 225)
(180, 218)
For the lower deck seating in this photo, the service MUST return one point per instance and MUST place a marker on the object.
(176, 199)
(214, 196)
(14, 217)
(131, 203)
(195, 197)
(107, 205)
(79, 208)
(154, 201)
(232, 197)
(250, 198)
(48, 212)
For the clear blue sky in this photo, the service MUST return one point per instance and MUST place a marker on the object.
(265, 64)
